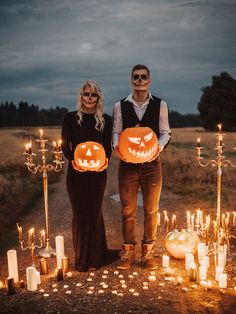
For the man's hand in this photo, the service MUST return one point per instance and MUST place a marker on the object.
(117, 153)
(77, 168)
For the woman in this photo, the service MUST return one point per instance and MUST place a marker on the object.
(86, 189)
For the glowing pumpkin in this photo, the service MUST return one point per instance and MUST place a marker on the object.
(178, 243)
(138, 144)
(90, 156)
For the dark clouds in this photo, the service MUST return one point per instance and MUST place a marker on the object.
(48, 48)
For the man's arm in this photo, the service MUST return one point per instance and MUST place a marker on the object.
(164, 128)
(117, 124)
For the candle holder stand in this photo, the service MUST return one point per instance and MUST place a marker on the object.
(219, 162)
(31, 246)
(44, 168)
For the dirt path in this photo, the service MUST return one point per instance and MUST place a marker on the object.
(162, 296)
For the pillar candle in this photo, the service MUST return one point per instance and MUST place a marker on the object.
(202, 273)
(43, 266)
(219, 270)
(59, 249)
(201, 251)
(221, 259)
(189, 258)
(223, 280)
(38, 278)
(10, 286)
(60, 275)
(205, 261)
(65, 264)
(165, 261)
(12, 265)
(31, 276)
(192, 272)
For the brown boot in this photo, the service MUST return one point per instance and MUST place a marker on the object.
(148, 256)
(127, 256)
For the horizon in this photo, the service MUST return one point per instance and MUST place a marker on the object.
(50, 48)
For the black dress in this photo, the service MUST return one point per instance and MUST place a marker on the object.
(86, 190)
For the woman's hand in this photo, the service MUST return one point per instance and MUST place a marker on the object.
(104, 166)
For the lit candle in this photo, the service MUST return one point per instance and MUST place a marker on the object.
(202, 273)
(10, 286)
(31, 276)
(1, 285)
(59, 145)
(42, 237)
(220, 140)
(234, 219)
(12, 265)
(198, 142)
(30, 147)
(209, 285)
(189, 258)
(43, 266)
(179, 280)
(221, 259)
(38, 277)
(219, 127)
(165, 261)
(20, 235)
(65, 264)
(27, 148)
(188, 220)
(59, 249)
(219, 270)
(173, 222)
(166, 223)
(201, 250)
(69, 275)
(152, 278)
(54, 143)
(41, 134)
(31, 237)
(223, 281)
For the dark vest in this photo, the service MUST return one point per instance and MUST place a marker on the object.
(150, 117)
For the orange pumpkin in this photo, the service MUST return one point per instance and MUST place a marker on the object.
(138, 144)
(90, 156)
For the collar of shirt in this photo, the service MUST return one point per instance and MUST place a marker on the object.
(135, 103)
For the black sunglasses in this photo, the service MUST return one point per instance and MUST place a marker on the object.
(94, 95)
(143, 77)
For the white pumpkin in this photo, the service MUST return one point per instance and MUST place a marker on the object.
(178, 243)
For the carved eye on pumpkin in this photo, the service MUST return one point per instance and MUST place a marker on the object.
(90, 156)
(138, 145)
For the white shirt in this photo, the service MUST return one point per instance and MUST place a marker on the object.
(164, 129)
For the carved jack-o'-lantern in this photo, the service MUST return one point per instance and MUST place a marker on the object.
(90, 156)
(178, 243)
(138, 144)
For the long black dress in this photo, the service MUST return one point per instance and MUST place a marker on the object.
(86, 190)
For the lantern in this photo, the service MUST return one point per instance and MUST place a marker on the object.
(138, 144)
(90, 156)
(178, 243)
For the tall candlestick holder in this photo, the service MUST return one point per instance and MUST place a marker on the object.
(44, 168)
(219, 162)
(31, 243)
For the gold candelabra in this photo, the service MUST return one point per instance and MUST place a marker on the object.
(44, 168)
(219, 162)
(31, 242)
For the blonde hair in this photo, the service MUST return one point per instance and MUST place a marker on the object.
(99, 107)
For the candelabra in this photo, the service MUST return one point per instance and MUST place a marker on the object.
(31, 242)
(44, 168)
(219, 162)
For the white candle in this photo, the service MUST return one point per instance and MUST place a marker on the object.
(189, 258)
(165, 261)
(188, 220)
(205, 261)
(234, 219)
(38, 277)
(59, 249)
(223, 280)
(12, 265)
(202, 273)
(221, 259)
(31, 275)
(219, 270)
(201, 251)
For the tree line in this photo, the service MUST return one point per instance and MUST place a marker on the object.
(23, 114)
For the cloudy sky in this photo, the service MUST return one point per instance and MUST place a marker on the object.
(48, 48)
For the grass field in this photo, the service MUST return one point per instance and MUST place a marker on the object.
(19, 189)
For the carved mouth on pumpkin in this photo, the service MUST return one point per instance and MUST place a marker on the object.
(142, 154)
(88, 164)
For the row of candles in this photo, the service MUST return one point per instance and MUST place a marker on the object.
(219, 140)
(56, 145)
(32, 275)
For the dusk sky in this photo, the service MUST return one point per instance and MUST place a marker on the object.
(48, 48)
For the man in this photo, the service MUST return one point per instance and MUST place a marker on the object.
(143, 109)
